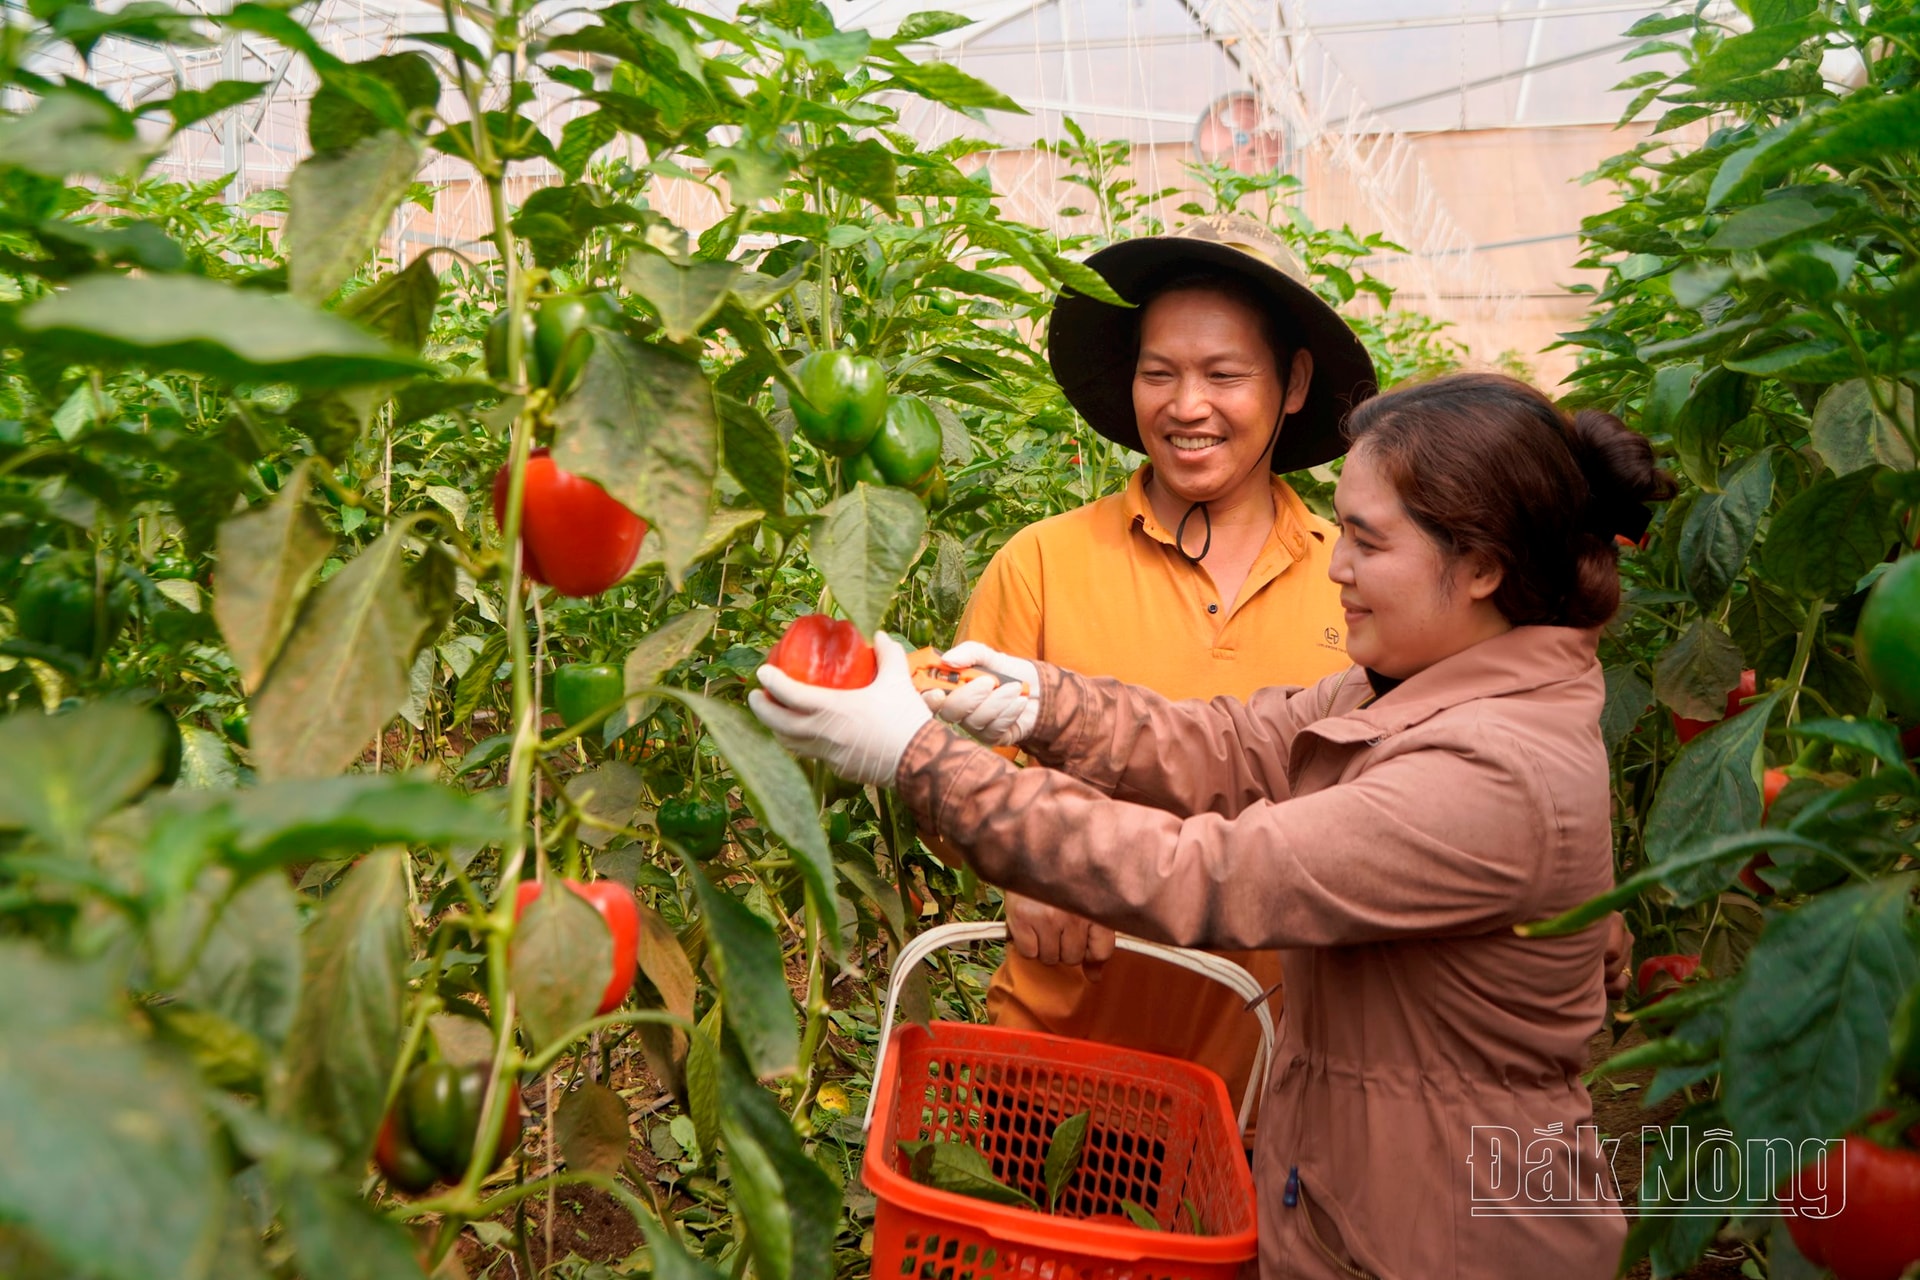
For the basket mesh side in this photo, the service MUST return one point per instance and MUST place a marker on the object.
(1149, 1140)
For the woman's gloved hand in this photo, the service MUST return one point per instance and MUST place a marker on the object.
(998, 714)
(860, 733)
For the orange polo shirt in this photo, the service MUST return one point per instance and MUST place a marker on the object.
(1103, 590)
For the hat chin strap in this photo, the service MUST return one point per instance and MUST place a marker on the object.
(1265, 457)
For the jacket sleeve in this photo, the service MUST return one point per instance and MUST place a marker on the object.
(1213, 756)
(1429, 842)
(1004, 612)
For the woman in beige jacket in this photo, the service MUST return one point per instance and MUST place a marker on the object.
(1385, 828)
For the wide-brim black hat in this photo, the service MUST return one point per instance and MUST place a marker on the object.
(1092, 345)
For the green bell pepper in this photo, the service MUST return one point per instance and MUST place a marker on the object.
(556, 321)
(907, 446)
(56, 607)
(845, 401)
(583, 690)
(695, 825)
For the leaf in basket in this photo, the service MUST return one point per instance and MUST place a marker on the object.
(1063, 1155)
(1193, 1216)
(1141, 1218)
(957, 1167)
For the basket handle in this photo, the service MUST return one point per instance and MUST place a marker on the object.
(1219, 968)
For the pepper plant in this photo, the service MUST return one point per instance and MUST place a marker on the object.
(1760, 322)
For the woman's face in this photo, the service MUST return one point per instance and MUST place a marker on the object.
(1206, 393)
(1408, 603)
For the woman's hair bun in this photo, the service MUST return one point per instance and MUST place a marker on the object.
(1621, 476)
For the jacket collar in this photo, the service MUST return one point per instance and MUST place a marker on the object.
(1517, 661)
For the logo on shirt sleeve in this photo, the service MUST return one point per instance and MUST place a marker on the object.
(1332, 639)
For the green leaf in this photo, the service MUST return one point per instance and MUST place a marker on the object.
(945, 83)
(561, 956)
(1628, 699)
(73, 130)
(426, 397)
(61, 774)
(1752, 51)
(337, 1233)
(1712, 788)
(248, 969)
(580, 138)
(1721, 527)
(1719, 399)
(1063, 1155)
(753, 983)
(1770, 222)
(191, 106)
(792, 1208)
(670, 1259)
(667, 646)
(1820, 543)
(865, 169)
(927, 24)
(703, 1085)
(1875, 738)
(1850, 432)
(1671, 387)
(959, 1168)
(1808, 1030)
(642, 423)
(346, 1031)
(263, 570)
(1694, 673)
(1137, 1214)
(777, 792)
(343, 671)
(400, 306)
(286, 821)
(754, 454)
(339, 204)
(684, 296)
(611, 792)
(1082, 278)
(1862, 130)
(203, 326)
(108, 1159)
(592, 1127)
(864, 542)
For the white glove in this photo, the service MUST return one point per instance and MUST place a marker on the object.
(860, 733)
(997, 713)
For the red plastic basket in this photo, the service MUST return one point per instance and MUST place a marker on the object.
(1161, 1134)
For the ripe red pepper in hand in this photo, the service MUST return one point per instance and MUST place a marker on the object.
(616, 906)
(1687, 730)
(1659, 975)
(821, 651)
(574, 535)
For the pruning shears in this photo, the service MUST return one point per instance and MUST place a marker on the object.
(931, 670)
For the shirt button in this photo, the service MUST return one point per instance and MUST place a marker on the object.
(1213, 608)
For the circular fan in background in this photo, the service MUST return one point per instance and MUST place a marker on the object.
(1234, 131)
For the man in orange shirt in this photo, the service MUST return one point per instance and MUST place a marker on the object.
(1206, 576)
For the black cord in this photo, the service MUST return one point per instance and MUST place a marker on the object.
(1180, 534)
